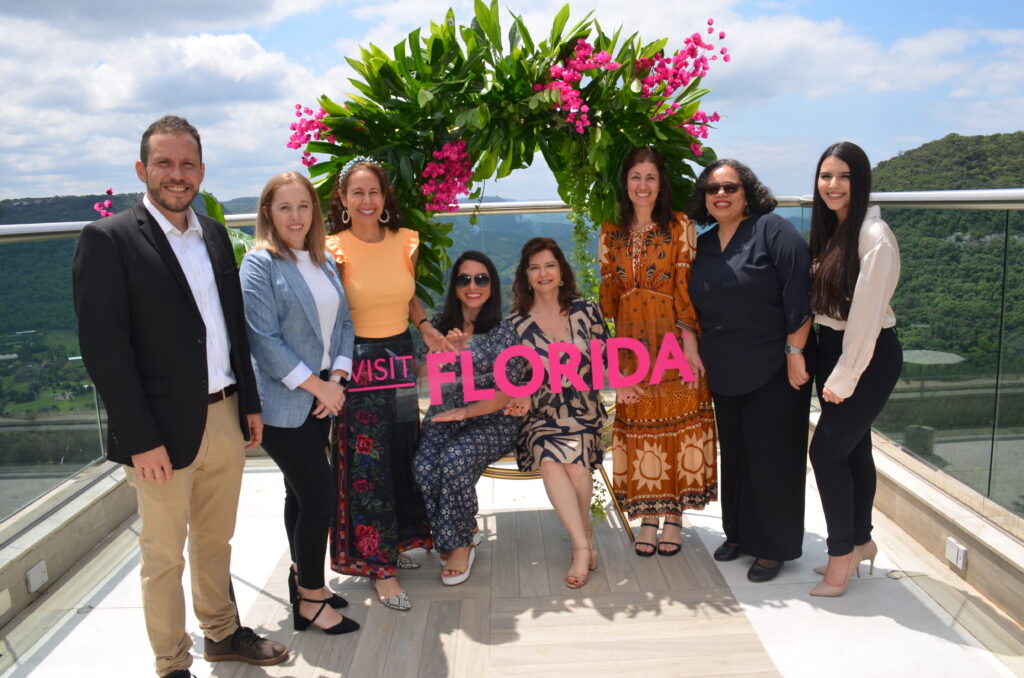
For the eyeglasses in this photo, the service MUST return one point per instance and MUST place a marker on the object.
(713, 189)
(481, 280)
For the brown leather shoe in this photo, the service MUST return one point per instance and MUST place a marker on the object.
(244, 646)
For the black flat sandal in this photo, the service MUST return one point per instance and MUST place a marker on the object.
(654, 547)
(672, 547)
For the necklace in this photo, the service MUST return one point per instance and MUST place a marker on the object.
(633, 229)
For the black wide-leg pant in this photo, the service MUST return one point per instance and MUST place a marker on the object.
(763, 438)
(841, 446)
(309, 493)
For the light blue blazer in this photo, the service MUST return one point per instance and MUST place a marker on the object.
(284, 330)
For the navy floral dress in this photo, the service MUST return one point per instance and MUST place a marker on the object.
(564, 427)
(453, 455)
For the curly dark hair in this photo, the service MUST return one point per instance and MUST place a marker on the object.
(490, 313)
(334, 222)
(522, 293)
(834, 245)
(662, 213)
(759, 197)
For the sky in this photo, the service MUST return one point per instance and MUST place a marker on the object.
(83, 80)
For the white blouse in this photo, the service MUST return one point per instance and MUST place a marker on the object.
(870, 311)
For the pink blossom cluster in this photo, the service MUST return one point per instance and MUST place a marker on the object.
(308, 127)
(564, 77)
(105, 208)
(697, 127)
(447, 179)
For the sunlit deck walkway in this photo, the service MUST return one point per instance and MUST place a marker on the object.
(682, 616)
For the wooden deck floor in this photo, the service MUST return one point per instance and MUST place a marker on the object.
(515, 617)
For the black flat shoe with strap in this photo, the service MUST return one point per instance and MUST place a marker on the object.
(654, 547)
(672, 547)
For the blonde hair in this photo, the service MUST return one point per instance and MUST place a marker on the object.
(267, 237)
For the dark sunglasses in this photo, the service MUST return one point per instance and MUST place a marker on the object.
(713, 189)
(481, 280)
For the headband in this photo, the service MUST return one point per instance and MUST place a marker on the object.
(352, 163)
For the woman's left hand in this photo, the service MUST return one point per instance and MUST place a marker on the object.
(830, 397)
(796, 369)
(457, 414)
(692, 353)
(321, 410)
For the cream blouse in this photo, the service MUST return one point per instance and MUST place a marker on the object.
(870, 311)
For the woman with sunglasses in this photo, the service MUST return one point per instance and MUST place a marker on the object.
(380, 512)
(856, 267)
(751, 285)
(663, 440)
(459, 440)
(562, 433)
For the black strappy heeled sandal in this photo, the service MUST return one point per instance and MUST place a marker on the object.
(654, 547)
(674, 548)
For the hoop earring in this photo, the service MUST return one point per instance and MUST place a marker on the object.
(345, 216)
(384, 217)
(561, 283)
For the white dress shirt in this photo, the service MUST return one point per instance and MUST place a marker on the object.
(194, 259)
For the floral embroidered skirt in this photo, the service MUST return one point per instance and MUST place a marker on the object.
(380, 510)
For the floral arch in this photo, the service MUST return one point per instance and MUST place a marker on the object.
(449, 109)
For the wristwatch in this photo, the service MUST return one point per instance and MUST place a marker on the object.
(338, 379)
(793, 349)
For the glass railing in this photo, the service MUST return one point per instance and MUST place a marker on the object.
(50, 417)
(959, 405)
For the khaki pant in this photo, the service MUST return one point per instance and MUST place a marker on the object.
(200, 503)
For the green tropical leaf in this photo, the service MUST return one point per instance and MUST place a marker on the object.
(555, 36)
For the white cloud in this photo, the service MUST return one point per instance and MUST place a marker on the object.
(105, 20)
(83, 80)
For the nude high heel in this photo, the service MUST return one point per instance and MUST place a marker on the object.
(868, 551)
(826, 590)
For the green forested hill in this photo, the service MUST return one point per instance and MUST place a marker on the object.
(960, 267)
(955, 163)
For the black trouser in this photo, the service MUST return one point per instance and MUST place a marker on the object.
(763, 437)
(309, 493)
(841, 447)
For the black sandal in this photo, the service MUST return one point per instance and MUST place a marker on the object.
(654, 547)
(678, 547)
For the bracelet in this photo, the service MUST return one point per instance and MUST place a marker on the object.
(425, 320)
(338, 379)
(793, 349)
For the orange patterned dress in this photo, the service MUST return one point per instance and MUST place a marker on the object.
(663, 448)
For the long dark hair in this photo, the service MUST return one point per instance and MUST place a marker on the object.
(334, 222)
(662, 212)
(834, 245)
(490, 313)
(759, 197)
(522, 293)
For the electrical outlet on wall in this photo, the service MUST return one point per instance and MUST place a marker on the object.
(956, 553)
(36, 576)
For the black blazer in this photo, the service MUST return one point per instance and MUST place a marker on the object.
(142, 337)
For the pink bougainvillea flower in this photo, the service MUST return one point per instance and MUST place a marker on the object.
(447, 179)
(721, 35)
(110, 191)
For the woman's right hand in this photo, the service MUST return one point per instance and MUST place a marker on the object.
(435, 341)
(517, 407)
(628, 395)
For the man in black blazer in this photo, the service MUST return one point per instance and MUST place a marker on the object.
(163, 337)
